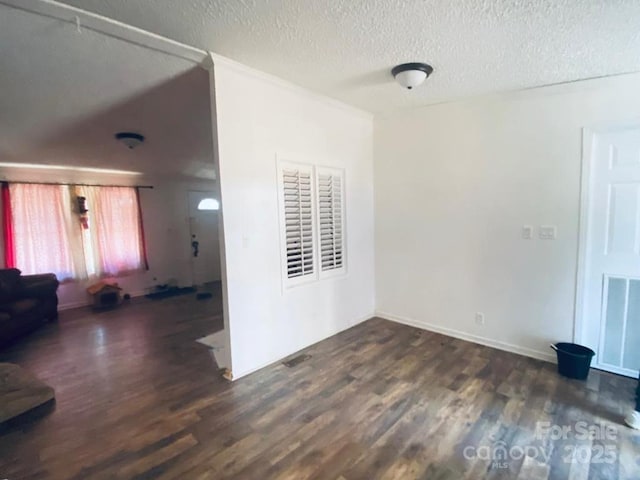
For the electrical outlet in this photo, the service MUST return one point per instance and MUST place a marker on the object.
(479, 318)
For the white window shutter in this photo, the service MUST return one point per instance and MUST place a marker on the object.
(296, 184)
(331, 224)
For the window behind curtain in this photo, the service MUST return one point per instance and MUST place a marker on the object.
(114, 243)
(43, 230)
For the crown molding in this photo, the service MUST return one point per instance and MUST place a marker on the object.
(216, 61)
(144, 38)
(107, 26)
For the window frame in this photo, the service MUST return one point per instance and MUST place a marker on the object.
(314, 170)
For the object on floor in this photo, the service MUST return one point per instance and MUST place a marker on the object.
(26, 302)
(20, 391)
(295, 361)
(574, 360)
(105, 295)
(210, 341)
(218, 344)
(633, 419)
(170, 292)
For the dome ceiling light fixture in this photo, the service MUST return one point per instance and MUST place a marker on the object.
(410, 75)
(129, 139)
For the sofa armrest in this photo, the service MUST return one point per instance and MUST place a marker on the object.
(38, 286)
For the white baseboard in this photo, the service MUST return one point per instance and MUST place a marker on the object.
(86, 303)
(488, 342)
(237, 376)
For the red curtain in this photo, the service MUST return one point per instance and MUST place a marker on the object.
(7, 228)
(143, 239)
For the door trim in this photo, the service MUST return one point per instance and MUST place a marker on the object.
(583, 234)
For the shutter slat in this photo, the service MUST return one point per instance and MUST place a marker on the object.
(330, 221)
(298, 222)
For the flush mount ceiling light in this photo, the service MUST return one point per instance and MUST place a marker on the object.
(410, 75)
(130, 139)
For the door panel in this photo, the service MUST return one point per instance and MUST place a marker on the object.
(622, 214)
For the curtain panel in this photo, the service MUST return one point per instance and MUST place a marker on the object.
(115, 234)
(8, 240)
(45, 239)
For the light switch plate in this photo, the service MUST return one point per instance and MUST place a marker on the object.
(527, 232)
(548, 232)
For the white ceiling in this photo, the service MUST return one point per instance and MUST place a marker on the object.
(345, 48)
(64, 94)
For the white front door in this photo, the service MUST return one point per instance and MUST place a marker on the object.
(205, 246)
(611, 262)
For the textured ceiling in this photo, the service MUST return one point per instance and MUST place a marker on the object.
(64, 94)
(345, 48)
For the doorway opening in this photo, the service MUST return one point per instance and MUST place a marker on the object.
(205, 244)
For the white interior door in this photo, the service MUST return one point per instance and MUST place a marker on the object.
(611, 270)
(203, 225)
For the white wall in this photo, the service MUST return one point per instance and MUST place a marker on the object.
(455, 183)
(258, 118)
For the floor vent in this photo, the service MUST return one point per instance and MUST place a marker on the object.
(295, 361)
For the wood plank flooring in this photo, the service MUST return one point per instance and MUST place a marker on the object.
(137, 397)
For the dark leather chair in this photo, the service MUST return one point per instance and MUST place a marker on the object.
(26, 302)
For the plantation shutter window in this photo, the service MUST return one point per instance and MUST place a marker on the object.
(297, 211)
(330, 192)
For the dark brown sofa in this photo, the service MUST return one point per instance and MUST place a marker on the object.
(26, 302)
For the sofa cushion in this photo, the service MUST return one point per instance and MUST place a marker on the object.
(20, 307)
(38, 286)
(9, 283)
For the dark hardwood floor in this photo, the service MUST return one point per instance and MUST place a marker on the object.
(137, 397)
